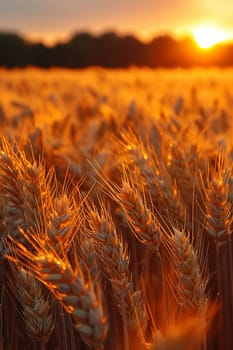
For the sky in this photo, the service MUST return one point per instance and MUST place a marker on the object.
(51, 20)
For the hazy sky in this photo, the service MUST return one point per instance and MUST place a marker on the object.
(58, 18)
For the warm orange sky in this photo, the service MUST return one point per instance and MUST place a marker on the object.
(50, 20)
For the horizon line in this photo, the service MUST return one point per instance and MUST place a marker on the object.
(51, 40)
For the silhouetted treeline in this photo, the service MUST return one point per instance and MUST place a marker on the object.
(111, 50)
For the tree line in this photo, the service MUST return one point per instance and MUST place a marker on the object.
(112, 51)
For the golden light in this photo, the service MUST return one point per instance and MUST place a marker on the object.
(47, 39)
(208, 35)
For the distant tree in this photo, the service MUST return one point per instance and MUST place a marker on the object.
(81, 50)
(14, 50)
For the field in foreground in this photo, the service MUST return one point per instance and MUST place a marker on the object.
(116, 209)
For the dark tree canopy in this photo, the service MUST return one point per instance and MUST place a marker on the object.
(111, 50)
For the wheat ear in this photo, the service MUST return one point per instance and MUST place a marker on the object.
(191, 281)
(218, 208)
(163, 190)
(24, 190)
(219, 225)
(63, 222)
(139, 216)
(132, 200)
(179, 169)
(89, 260)
(36, 310)
(69, 286)
(115, 261)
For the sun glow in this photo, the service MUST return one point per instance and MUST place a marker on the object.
(207, 35)
(48, 39)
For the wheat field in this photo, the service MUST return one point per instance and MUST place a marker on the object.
(116, 209)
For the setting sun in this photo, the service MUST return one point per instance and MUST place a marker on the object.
(208, 35)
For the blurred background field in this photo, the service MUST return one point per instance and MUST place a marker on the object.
(74, 114)
(114, 95)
